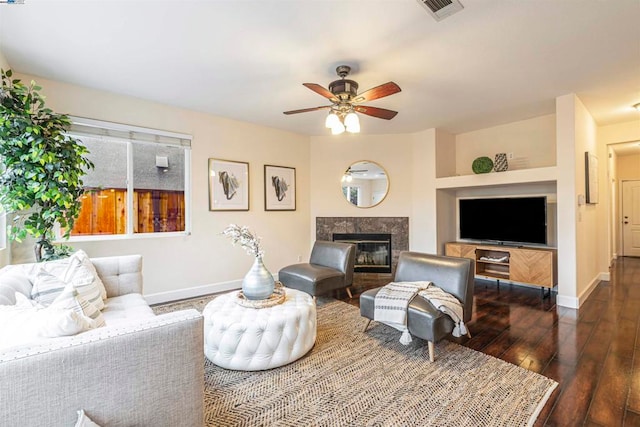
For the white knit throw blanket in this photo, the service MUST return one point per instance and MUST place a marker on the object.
(449, 305)
(392, 302)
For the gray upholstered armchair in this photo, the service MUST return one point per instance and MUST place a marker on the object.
(330, 267)
(453, 275)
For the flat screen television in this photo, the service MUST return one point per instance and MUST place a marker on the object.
(504, 220)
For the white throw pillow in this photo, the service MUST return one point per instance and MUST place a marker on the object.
(46, 287)
(70, 299)
(23, 324)
(85, 273)
(12, 281)
(76, 269)
(84, 420)
(24, 302)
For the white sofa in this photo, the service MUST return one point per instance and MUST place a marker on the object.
(138, 370)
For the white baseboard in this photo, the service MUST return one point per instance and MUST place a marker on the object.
(569, 302)
(576, 302)
(592, 285)
(196, 291)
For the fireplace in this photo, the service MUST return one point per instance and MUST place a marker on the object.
(396, 226)
(373, 251)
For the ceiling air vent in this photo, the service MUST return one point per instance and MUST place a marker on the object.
(440, 9)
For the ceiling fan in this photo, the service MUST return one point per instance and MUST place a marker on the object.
(346, 101)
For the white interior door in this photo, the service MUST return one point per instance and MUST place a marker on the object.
(631, 218)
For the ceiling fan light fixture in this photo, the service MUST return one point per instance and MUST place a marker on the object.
(338, 128)
(353, 129)
(332, 120)
(345, 100)
(352, 122)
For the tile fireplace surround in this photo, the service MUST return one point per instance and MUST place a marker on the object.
(398, 227)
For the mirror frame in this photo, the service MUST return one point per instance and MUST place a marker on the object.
(386, 193)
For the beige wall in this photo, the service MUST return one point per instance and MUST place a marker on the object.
(410, 162)
(582, 228)
(331, 155)
(567, 200)
(3, 61)
(204, 257)
(609, 135)
(621, 132)
(629, 167)
(423, 224)
(591, 219)
(446, 228)
(532, 143)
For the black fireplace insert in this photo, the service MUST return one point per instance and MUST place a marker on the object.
(373, 251)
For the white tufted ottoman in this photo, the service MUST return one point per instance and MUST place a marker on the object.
(252, 339)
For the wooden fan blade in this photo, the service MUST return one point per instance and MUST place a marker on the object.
(306, 110)
(321, 91)
(380, 113)
(381, 91)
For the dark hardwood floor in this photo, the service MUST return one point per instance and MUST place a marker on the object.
(590, 352)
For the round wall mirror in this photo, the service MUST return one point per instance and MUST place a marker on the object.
(365, 184)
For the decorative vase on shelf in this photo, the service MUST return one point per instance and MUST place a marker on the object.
(258, 282)
(500, 164)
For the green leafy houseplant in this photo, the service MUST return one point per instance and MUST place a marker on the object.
(41, 167)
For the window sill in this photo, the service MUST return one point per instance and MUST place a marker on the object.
(106, 237)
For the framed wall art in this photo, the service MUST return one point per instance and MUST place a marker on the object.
(591, 177)
(279, 188)
(228, 185)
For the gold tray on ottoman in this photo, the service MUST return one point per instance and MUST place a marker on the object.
(277, 297)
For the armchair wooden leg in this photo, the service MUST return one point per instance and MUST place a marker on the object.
(349, 293)
(431, 351)
(468, 333)
(366, 325)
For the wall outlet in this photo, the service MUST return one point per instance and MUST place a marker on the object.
(299, 258)
(509, 156)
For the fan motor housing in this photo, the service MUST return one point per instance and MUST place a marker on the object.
(344, 88)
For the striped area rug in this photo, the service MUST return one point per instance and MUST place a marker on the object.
(351, 378)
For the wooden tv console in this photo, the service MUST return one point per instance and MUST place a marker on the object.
(532, 266)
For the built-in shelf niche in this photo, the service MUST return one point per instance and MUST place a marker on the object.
(509, 184)
(521, 176)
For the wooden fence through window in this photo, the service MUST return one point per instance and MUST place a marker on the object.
(104, 211)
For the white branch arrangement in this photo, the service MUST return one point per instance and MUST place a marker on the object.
(245, 238)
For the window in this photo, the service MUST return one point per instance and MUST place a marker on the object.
(139, 185)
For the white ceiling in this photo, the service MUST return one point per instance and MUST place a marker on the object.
(494, 62)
